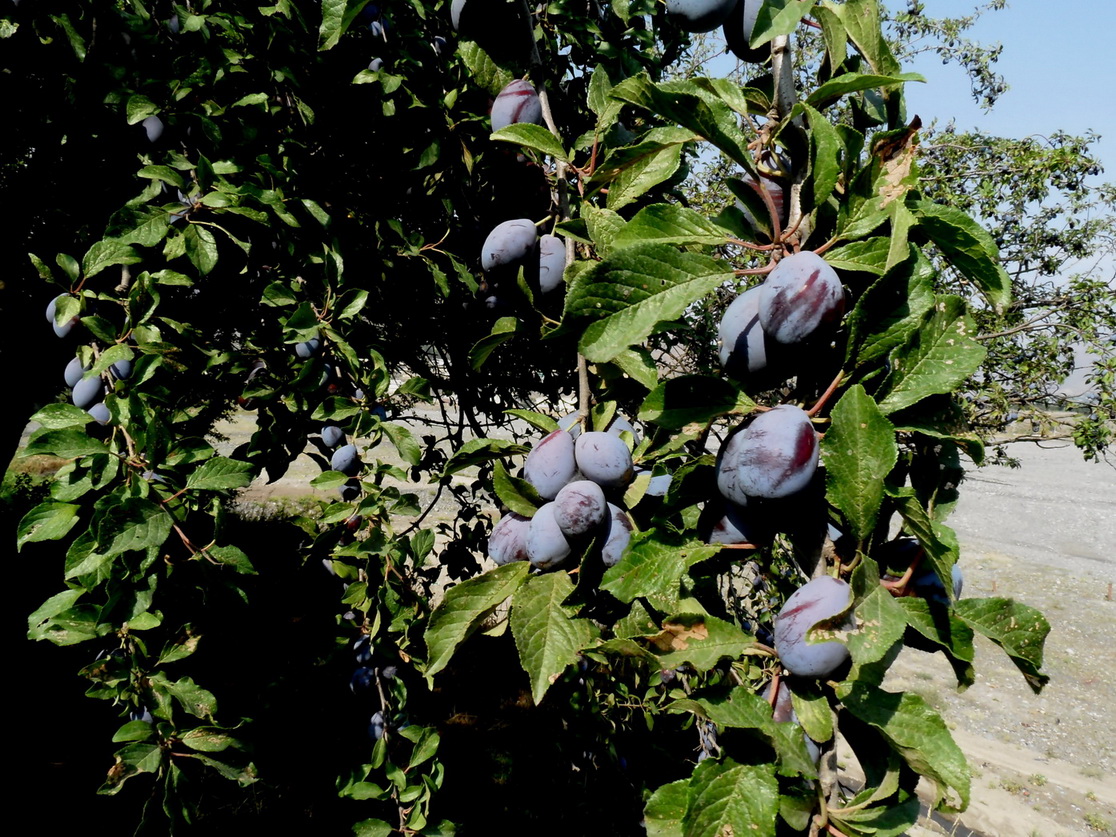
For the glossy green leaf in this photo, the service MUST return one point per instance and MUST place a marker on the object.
(859, 451)
(634, 291)
(532, 136)
(46, 522)
(868, 256)
(463, 608)
(106, 253)
(1017, 628)
(938, 358)
(918, 734)
(546, 633)
(728, 798)
(517, 494)
(503, 330)
(221, 473)
(66, 443)
(665, 223)
(842, 85)
(653, 569)
(968, 247)
(662, 816)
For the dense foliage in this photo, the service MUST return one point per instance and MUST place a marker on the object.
(292, 212)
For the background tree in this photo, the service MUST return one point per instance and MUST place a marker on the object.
(304, 197)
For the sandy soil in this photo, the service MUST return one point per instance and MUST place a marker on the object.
(1044, 534)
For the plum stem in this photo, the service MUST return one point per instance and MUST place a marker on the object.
(825, 396)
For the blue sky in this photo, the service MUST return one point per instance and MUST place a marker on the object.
(1059, 60)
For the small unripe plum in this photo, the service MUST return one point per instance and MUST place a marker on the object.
(551, 464)
(699, 15)
(332, 435)
(604, 459)
(738, 32)
(619, 536)
(552, 262)
(509, 243)
(547, 547)
(74, 372)
(517, 102)
(799, 296)
(346, 460)
(774, 456)
(817, 600)
(508, 541)
(579, 508)
(308, 348)
(88, 392)
(153, 127)
(100, 413)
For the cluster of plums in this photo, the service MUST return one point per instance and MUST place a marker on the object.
(515, 245)
(87, 392)
(577, 473)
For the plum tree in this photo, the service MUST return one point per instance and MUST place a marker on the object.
(800, 296)
(699, 15)
(604, 459)
(814, 602)
(517, 102)
(774, 456)
(551, 464)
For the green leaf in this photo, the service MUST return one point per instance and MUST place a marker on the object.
(131, 524)
(464, 607)
(67, 443)
(404, 442)
(372, 828)
(201, 247)
(726, 798)
(532, 136)
(545, 632)
(537, 420)
(868, 256)
(693, 399)
(918, 734)
(859, 451)
(861, 19)
(643, 173)
(333, 23)
(599, 99)
(943, 628)
(700, 640)
(825, 157)
(483, 71)
(890, 819)
(105, 253)
(351, 303)
(1020, 630)
(133, 731)
(518, 495)
(46, 522)
(192, 698)
(968, 247)
(132, 760)
(892, 309)
(503, 329)
(665, 223)
(221, 473)
(662, 816)
(937, 539)
(478, 451)
(111, 355)
(653, 569)
(842, 85)
(234, 557)
(939, 357)
(686, 104)
(639, 365)
(881, 623)
(636, 289)
(57, 416)
(55, 605)
(208, 740)
(603, 225)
